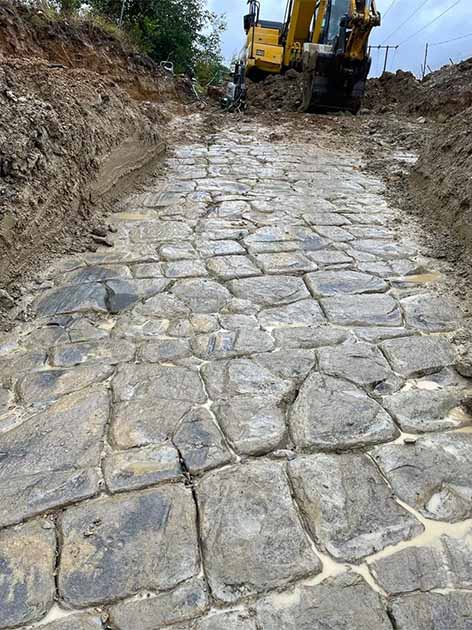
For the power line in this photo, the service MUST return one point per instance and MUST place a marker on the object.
(389, 8)
(448, 41)
(407, 20)
(454, 4)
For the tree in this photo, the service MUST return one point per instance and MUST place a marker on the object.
(182, 31)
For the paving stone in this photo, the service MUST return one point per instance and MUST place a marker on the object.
(254, 425)
(327, 257)
(116, 547)
(389, 269)
(177, 251)
(331, 283)
(141, 467)
(430, 313)
(146, 421)
(184, 269)
(200, 443)
(5, 399)
(225, 379)
(238, 321)
(185, 602)
(230, 267)
(84, 329)
(457, 556)
(273, 247)
(162, 231)
(123, 294)
(411, 569)
(95, 273)
(334, 233)
(134, 382)
(140, 327)
(164, 350)
(226, 344)
(207, 249)
(80, 621)
(295, 364)
(103, 351)
(52, 384)
(333, 414)
(360, 363)
(362, 310)
(416, 356)
(325, 218)
(147, 270)
(51, 458)
(202, 295)
(335, 604)
(309, 336)
(302, 313)
(27, 559)
(418, 411)
(74, 299)
(202, 323)
(285, 262)
(434, 475)
(257, 542)
(270, 290)
(432, 611)
(349, 510)
(238, 306)
(236, 620)
(374, 334)
(165, 305)
(383, 249)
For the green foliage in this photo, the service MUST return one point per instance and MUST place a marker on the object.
(182, 31)
(68, 7)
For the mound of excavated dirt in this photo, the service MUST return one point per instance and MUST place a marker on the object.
(79, 115)
(441, 94)
(441, 184)
(276, 92)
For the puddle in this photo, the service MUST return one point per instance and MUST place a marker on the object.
(421, 278)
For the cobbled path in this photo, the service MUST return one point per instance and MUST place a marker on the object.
(244, 416)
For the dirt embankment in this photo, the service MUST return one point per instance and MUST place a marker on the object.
(79, 112)
(276, 93)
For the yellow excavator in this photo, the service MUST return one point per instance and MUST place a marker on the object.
(327, 40)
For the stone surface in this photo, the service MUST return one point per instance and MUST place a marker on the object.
(344, 602)
(230, 267)
(115, 547)
(330, 283)
(27, 558)
(288, 365)
(430, 313)
(200, 442)
(141, 467)
(434, 475)
(285, 262)
(80, 621)
(270, 290)
(226, 344)
(202, 295)
(237, 620)
(51, 458)
(360, 363)
(309, 337)
(348, 507)
(333, 414)
(414, 356)
(253, 424)
(103, 351)
(74, 299)
(432, 611)
(256, 542)
(362, 310)
(165, 350)
(184, 269)
(185, 602)
(302, 313)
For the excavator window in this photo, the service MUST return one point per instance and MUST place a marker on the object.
(336, 11)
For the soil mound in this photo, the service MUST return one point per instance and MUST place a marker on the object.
(276, 92)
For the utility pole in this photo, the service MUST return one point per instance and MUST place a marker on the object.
(425, 65)
(123, 6)
(387, 50)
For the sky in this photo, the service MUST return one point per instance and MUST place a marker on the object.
(409, 56)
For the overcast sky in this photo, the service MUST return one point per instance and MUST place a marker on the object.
(455, 23)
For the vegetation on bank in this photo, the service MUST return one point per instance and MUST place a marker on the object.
(184, 32)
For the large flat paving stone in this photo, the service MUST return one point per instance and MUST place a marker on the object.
(362, 310)
(79, 621)
(236, 620)
(345, 602)
(27, 560)
(109, 351)
(231, 267)
(433, 611)
(333, 414)
(185, 602)
(225, 344)
(430, 313)
(51, 459)
(253, 424)
(201, 295)
(349, 509)
(416, 356)
(134, 382)
(331, 283)
(285, 262)
(306, 337)
(434, 475)
(288, 365)
(114, 548)
(301, 313)
(73, 299)
(251, 534)
(270, 290)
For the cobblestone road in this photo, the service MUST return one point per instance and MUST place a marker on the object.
(244, 416)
